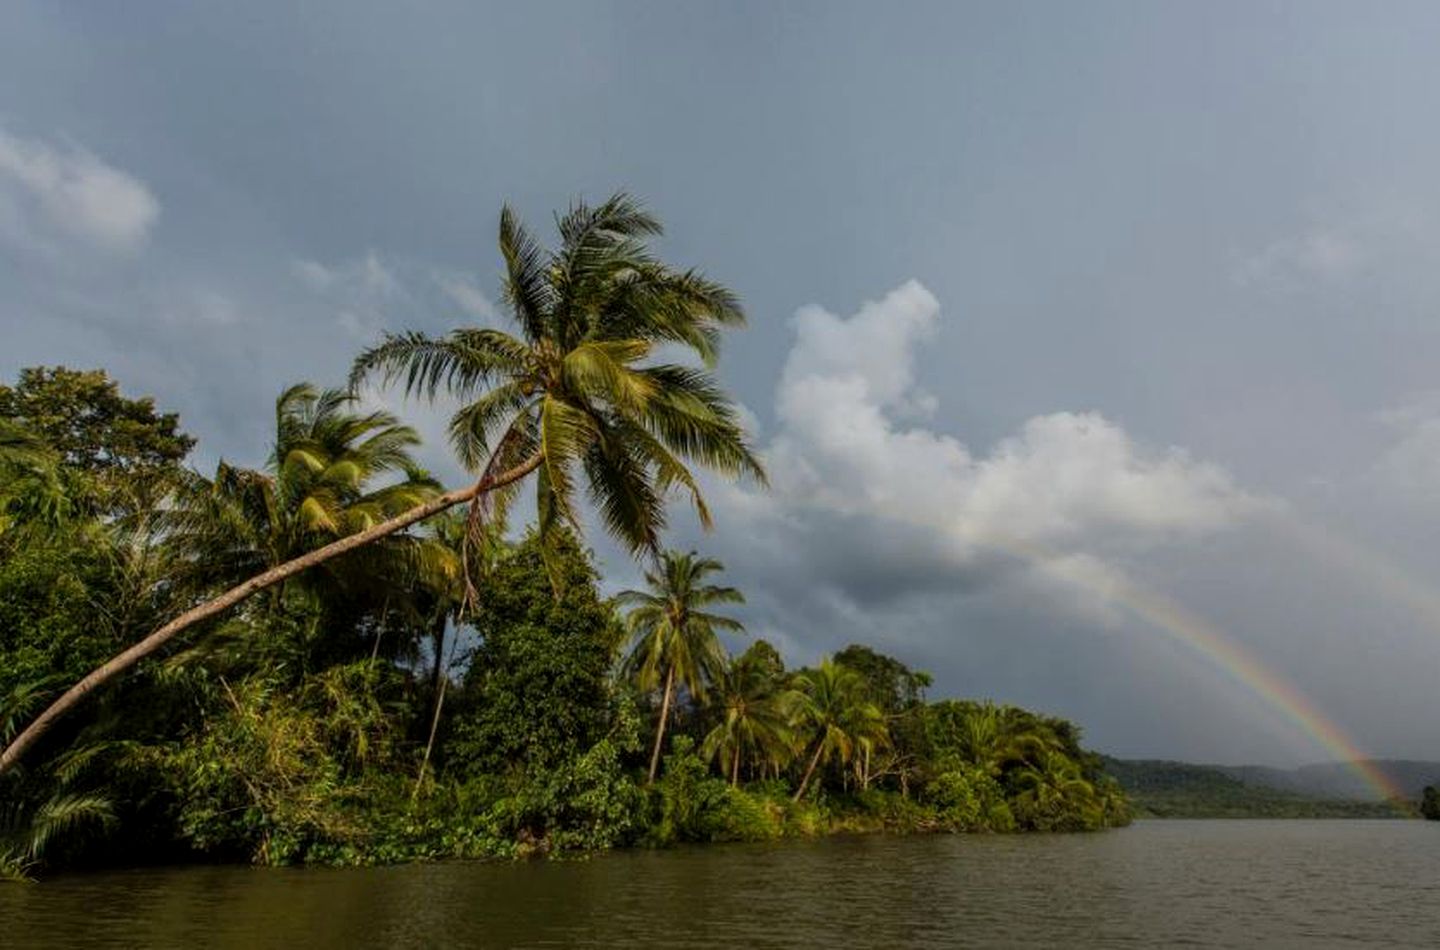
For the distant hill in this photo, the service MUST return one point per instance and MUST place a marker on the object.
(1184, 790)
(1338, 780)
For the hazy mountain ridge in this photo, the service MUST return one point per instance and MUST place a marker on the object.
(1339, 779)
(1170, 789)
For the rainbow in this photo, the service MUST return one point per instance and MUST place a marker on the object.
(1204, 638)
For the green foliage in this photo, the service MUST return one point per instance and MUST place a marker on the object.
(51, 592)
(674, 638)
(273, 774)
(694, 806)
(577, 389)
(834, 719)
(83, 416)
(587, 803)
(538, 688)
(1430, 803)
(120, 452)
(754, 715)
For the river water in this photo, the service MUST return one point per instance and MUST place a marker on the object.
(1158, 883)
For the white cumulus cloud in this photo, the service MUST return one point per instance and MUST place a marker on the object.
(848, 442)
(49, 192)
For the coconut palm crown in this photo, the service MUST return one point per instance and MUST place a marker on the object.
(577, 391)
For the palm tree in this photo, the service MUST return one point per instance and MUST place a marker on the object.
(333, 471)
(31, 489)
(995, 737)
(451, 592)
(577, 388)
(28, 827)
(673, 636)
(754, 719)
(829, 704)
(1055, 795)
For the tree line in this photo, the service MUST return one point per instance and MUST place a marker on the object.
(330, 657)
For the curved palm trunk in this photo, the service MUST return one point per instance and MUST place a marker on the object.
(121, 662)
(660, 729)
(735, 767)
(809, 771)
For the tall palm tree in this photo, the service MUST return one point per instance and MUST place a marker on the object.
(829, 706)
(754, 718)
(673, 636)
(577, 388)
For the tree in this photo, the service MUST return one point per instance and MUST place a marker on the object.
(673, 637)
(124, 447)
(753, 717)
(888, 683)
(1430, 803)
(537, 691)
(829, 705)
(899, 693)
(334, 470)
(990, 737)
(577, 388)
(32, 492)
(1055, 796)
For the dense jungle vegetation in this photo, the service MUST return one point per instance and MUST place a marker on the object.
(325, 656)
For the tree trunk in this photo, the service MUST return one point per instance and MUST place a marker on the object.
(380, 631)
(430, 743)
(735, 768)
(121, 662)
(814, 761)
(660, 729)
(438, 668)
(438, 682)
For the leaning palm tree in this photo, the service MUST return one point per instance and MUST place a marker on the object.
(830, 707)
(673, 636)
(579, 388)
(754, 719)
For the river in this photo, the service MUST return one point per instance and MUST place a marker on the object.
(1195, 883)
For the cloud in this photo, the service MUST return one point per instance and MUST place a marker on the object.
(48, 192)
(1410, 465)
(470, 298)
(1322, 254)
(373, 292)
(1067, 480)
(363, 291)
(881, 526)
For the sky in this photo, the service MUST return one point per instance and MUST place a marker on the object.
(1055, 309)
